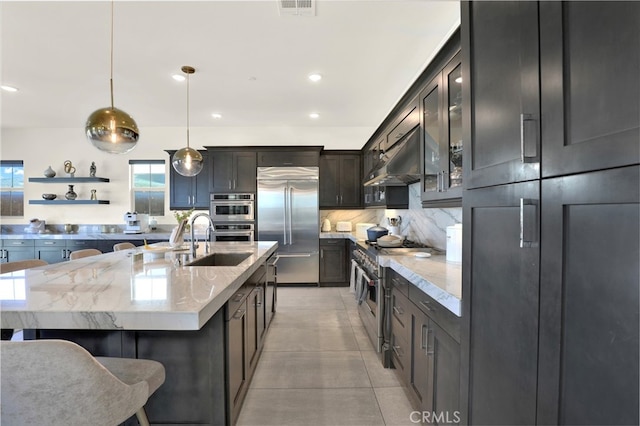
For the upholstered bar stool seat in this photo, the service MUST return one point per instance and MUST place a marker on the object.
(56, 382)
(78, 254)
(19, 265)
(123, 246)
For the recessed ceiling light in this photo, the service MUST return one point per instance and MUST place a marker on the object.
(314, 115)
(178, 77)
(315, 77)
(8, 88)
(216, 115)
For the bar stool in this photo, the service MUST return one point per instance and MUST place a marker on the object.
(19, 265)
(57, 382)
(78, 254)
(123, 246)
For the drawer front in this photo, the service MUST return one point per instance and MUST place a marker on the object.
(401, 356)
(398, 282)
(51, 243)
(400, 314)
(82, 244)
(17, 243)
(435, 311)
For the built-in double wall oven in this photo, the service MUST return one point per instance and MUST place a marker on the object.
(233, 216)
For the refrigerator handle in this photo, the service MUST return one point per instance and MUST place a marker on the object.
(284, 219)
(290, 215)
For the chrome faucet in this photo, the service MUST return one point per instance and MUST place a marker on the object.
(193, 234)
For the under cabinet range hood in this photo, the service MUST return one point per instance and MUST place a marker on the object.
(399, 165)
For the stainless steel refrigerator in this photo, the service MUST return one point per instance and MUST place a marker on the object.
(288, 213)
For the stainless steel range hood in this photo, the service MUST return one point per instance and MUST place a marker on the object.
(400, 165)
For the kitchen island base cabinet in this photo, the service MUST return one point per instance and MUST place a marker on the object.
(208, 371)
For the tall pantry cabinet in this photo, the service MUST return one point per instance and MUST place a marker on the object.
(551, 212)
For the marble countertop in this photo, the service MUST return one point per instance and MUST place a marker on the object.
(113, 292)
(435, 276)
(91, 236)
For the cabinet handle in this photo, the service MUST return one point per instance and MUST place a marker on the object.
(229, 183)
(528, 223)
(429, 352)
(337, 202)
(63, 254)
(525, 159)
(442, 181)
(4, 254)
(438, 182)
(397, 311)
(321, 253)
(426, 305)
(340, 199)
(424, 337)
(395, 349)
(49, 243)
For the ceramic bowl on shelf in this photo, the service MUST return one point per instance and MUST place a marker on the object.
(49, 196)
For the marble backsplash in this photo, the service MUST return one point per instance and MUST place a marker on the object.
(427, 226)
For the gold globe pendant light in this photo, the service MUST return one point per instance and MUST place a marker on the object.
(110, 129)
(187, 161)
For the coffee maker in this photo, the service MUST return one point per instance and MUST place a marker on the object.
(136, 223)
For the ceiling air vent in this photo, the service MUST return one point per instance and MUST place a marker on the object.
(297, 7)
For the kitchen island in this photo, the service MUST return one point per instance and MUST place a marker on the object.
(139, 304)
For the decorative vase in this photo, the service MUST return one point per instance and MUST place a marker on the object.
(70, 195)
(49, 172)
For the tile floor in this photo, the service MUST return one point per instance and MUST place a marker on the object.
(318, 367)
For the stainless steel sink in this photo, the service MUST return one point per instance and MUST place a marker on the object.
(221, 259)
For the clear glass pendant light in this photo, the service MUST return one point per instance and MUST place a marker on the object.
(187, 161)
(110, 129)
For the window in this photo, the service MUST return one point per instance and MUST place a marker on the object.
(11, 188)
(148, 186)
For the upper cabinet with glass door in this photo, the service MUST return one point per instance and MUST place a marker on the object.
(441, 120)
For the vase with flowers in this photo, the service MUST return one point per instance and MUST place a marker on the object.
(177, 236)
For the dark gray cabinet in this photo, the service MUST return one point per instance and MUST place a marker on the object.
(189, 192)
(55, 251)
(550, 245)
(401, 335)
(340, 184)
(590, 301)
(233, 171)
(589, 63)
(333, 262)
(501, 294)
(501, 64)
(441, 120)
(426, 350)
(14, 250)
(305, 156)
(245, 331)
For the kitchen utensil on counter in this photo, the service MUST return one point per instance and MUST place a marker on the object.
(68, 228)
(394, 221)
(326, 226)
(390, 241)
(393, 230)
(361, 230)
(343, 227)
(376, 232)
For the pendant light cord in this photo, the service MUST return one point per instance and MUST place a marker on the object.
(187, 110)
(111, 56)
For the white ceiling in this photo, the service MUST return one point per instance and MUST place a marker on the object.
(251, 63)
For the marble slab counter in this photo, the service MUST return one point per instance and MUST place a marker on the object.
(89, 236)
(346, 235)
(113, 291)
(435, 276)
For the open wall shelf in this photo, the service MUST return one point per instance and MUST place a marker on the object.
(68, 201)
(68, 179)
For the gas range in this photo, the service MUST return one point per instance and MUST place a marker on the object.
(372, 250)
